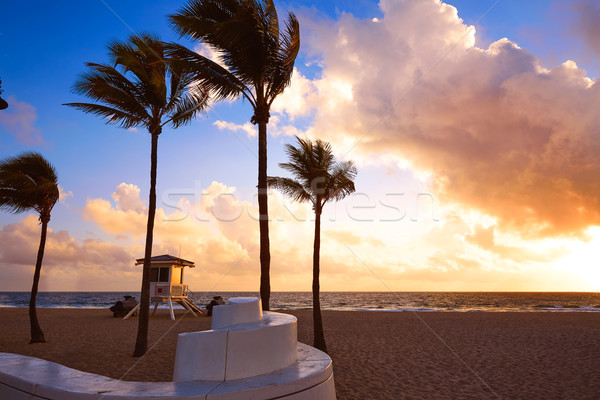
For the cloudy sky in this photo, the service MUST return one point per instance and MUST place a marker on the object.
(474, 126)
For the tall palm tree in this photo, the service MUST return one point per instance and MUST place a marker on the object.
(259, 61)
(29, 182)
(318, 179)
(140, 88)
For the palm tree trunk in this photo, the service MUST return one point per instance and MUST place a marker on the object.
(141, 343)
(263, 210)
(319, 336)
(37, 336)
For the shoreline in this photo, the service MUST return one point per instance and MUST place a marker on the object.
(552, 310)
(379, 355)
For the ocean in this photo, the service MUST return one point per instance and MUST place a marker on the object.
(347, 301)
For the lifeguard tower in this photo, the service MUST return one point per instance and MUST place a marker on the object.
(166, 283)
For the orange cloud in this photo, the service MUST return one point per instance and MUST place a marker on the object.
(451, 255)
(216, 230)
(485, 239)
(494, 130)
(68, 264)
(353, 239)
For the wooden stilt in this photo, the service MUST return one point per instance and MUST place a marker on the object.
(133, 310)
(171, 309)
(194, 307)
(155, 307)
(184, 303)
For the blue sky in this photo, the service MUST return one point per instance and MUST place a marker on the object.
(44, 48)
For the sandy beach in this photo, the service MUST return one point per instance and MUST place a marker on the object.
(376, 355)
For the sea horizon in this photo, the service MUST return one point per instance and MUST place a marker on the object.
(466, 301)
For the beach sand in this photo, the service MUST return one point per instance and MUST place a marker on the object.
(376, 355)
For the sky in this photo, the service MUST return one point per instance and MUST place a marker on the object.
(473, 124)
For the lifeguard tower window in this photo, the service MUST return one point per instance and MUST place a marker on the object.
(159, 274)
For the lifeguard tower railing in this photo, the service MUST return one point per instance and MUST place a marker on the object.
(166, 289)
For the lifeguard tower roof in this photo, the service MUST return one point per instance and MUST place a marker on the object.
(167, 258)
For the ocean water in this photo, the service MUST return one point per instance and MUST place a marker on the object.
(347, 301)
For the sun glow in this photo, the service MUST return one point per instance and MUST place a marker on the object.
(582, 260)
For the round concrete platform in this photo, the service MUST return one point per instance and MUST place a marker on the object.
(22, 377)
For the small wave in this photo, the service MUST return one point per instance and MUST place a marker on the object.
(76, 307)
(397, 309)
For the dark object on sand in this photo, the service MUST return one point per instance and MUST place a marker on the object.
(121, 308)
(216, 301)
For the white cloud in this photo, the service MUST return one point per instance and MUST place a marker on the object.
(247, 128)
(63, 194)
(127, 197)
(19, 120)
(297, 99)
(209, 52)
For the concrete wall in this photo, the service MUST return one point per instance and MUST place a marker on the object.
(242, 351)
(21, 377)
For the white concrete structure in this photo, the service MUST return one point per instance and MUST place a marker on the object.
(22, 377)
(247, 309)
(257, 359)
(243, 343)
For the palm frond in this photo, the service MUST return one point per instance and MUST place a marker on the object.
(112, 116)
(105, 84)
(298, 170)
(323, 155)
(198, 16)
(265, 23)
(342, 190)
(248, 36)
(228, 26)
(143, 55)
(315, 171)
(143, 88)
(290, 187)
(189, 106)
(269, 15)
(283, 67)
(178, 85)
(244, 52)
(344, 169)
(28, 181)
(342, 176)
(219, 81)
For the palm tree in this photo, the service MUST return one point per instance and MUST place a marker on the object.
(3, 103)
(318, 179)
(142, 89)
(29, 182)
(259, 61)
